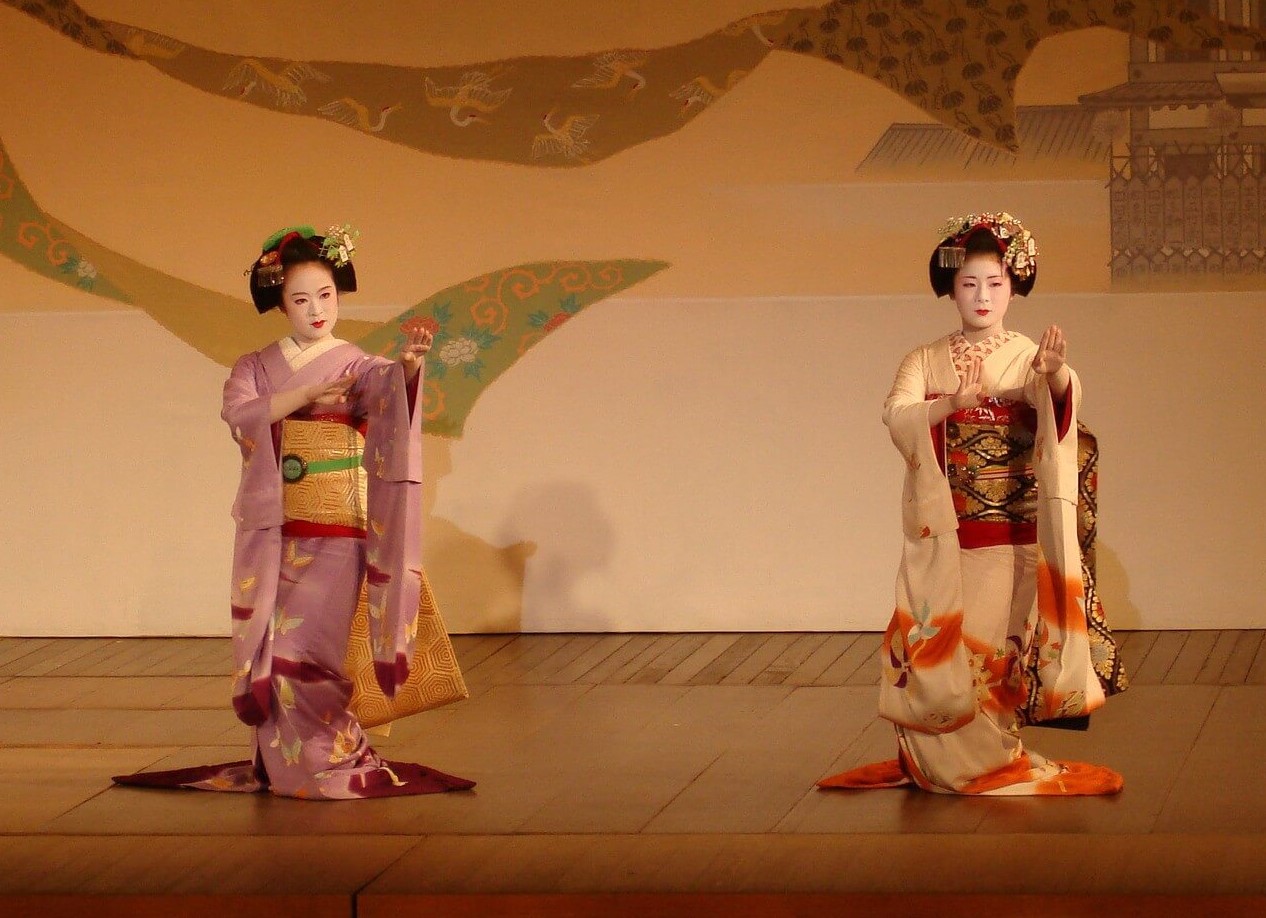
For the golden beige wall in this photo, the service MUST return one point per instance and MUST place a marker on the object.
(702, 452)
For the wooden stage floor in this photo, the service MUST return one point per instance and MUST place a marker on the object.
(626, 774)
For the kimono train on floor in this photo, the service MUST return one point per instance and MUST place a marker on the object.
(990, 582)
(329, 500)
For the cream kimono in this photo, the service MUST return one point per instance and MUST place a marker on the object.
(990, 579)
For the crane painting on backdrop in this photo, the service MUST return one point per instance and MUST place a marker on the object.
(957, 60)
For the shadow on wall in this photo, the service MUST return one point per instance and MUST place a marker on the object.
(478, 586)
(578, 540)
(1114, 591)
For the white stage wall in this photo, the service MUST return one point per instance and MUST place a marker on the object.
(694, 464)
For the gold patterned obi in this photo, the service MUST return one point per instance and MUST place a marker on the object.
(989, 462)
(323, 481)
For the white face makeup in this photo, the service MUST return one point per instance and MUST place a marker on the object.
(982, 293)
(310, 302)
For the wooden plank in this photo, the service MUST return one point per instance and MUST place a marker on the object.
(1257, 672)
(1136, 650)
(1187, 666)
(636, 645)
(1240, 661)
(1211, 672)
(155, 650)
(603, 649)
(511, 650)
(790, 659)
(173, 660)
(660, 644)
(57, 653)
(735, 654)
(757, 663)
(669, 660)
(536, 648)
(868, 672)
(473, 649)
(13, 649)
(1160, 658)
(703, 657)
(160, 905)
(817, 662)
(110, 659)
(216, 659)
(560, 658)
(860, 653)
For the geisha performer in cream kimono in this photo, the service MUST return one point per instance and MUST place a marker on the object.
(329, 499)
(990, 589)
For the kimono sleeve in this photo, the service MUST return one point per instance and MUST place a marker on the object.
(393, 459)
(927, 507)
(246, 402)
(1055, 452)
(393, 446)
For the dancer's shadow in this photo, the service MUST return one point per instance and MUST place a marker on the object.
(478, 586)
(1114, 590)
(575, 544)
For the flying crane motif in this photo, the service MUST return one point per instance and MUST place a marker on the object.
(473, 94)
(567, 139)
(352, 113)
(958, 62)
(612, 67)
(702, 92)
(755, 23)
(284, 88)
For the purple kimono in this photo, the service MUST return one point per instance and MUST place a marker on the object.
(296, 582)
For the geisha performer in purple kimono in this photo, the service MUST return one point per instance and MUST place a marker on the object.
(990, 629)
(329, 499)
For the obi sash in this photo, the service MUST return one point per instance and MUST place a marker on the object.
(324, 485)
(987, 455)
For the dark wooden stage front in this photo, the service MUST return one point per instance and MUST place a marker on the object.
(627, 774)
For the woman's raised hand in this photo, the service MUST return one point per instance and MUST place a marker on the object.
(1052, 352)
(969, 391)
(415, 348)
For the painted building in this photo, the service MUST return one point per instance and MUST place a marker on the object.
(1188, 174)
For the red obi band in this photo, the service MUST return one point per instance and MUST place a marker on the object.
(999, 412)
(303, 529)
(337, 417)
(987, 533)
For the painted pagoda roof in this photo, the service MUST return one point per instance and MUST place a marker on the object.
(1043, 131)
(1155, 94)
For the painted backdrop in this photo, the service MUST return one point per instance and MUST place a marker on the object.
(673, 263)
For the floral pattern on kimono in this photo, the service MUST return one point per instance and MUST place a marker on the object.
(952, 680)
(294, 591)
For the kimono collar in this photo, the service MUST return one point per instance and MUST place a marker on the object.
(964, 352)
(297, 358)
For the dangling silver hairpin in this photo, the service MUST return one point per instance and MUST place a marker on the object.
(269, 271)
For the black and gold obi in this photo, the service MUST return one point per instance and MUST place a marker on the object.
(987, 454)
(324, 486)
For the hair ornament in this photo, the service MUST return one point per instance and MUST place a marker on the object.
(335, 249)
(268, 270)
(1019, 249)
(340, 244)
